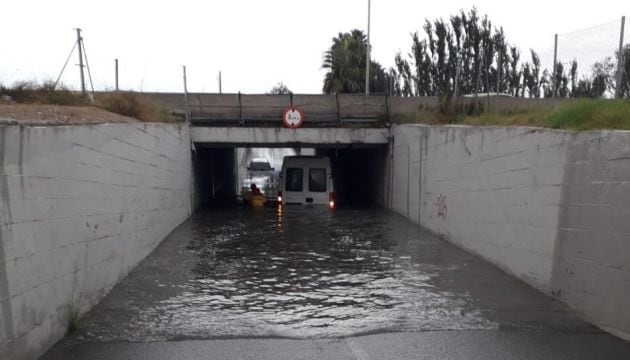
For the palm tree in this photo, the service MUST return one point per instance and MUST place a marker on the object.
(345, 62)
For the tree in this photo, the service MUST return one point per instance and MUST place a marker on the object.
(515, 73)
(531, 76)
(280, 89)
(545, 84)
(584, 88)
(603, 77)
(345, 62)
(467, 51)
(560, 82)
(601, 83)
(404, 79)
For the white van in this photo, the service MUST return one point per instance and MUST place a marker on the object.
(306, 180)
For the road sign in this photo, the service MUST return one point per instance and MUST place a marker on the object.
(292, 117)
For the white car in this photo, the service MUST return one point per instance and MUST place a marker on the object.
(259, 164)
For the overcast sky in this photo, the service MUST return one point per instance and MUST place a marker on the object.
(258, 43)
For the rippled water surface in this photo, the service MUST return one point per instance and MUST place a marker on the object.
(313, 273)
(306, 272)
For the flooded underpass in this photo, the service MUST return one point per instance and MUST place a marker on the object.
(305, 272)
(308, 272)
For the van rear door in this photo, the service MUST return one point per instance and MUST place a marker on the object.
(293, 185)
(316, 185)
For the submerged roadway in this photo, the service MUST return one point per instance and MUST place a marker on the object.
(309, 283)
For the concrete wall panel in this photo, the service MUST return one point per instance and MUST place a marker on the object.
(592, 267)
(483, 188)
(550, 207)
(79, 208)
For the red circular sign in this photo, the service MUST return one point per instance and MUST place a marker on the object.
(292, 117)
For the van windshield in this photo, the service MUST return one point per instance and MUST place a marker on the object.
(294, 179)
(317, 180)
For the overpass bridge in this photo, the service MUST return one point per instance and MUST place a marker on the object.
(353, 130)
(265, 110)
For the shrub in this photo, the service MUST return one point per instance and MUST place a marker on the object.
(132, 104)
(29, 92)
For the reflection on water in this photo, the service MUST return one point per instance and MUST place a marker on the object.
(309, 272)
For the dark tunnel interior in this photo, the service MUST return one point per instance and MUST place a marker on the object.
(215, 176)
(358, 175)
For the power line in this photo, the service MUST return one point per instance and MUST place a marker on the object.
(64, 65)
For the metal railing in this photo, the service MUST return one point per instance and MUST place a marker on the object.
(266, 110)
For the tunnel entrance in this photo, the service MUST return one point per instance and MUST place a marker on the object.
(358, 174)
(223, 174)
(214, 175)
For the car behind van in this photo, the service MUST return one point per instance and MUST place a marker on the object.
(306, 180)
(259, 173)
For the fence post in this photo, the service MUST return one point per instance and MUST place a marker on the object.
(499, 68)
(478, 81)
(338, 112)
(116, 73)
(457, 74)
(553, 73)
(240, 109)
(620, 59)
(387, 107)
(186, 103)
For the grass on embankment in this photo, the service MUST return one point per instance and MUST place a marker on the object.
(578, 114)
(126, 103)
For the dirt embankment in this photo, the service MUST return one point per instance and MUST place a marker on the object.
(32, 114)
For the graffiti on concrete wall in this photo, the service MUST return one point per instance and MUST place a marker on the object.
(441, 208)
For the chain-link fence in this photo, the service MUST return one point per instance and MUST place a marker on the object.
(588, 62)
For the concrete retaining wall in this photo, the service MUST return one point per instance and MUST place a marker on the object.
(79, 208)
(592, 253)
(549, 207)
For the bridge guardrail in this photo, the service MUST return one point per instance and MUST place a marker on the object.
(266, 110)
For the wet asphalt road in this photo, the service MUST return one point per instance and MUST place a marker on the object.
(313, 283)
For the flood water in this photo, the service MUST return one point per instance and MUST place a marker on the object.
(305, 272)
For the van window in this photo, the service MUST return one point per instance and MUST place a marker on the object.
(317, 180)
(294, 179)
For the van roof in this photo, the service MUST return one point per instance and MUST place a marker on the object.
(304, 157)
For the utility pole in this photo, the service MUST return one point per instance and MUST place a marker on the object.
(367, 62)
(220, 85)
(555, 59)
(620, 59)
(80, 46)
(116, 74)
